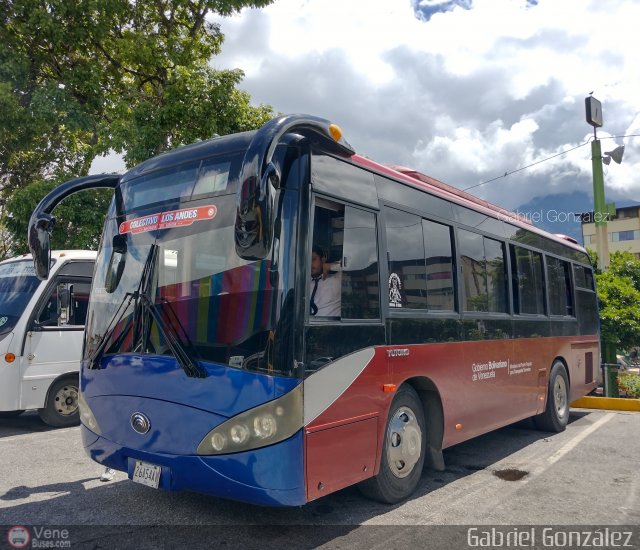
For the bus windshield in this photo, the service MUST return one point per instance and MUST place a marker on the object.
(18, 283)
(218, 306)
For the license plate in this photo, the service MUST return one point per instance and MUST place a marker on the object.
(147, 474)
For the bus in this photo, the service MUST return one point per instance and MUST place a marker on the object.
(41, 335)
(204, 368)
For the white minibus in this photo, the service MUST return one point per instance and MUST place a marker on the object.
(41, 335)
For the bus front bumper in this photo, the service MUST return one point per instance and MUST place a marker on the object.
(270, 476)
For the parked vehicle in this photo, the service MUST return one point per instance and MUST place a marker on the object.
(41, 334)
(216, 361)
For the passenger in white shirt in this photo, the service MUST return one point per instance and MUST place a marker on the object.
(326, 288)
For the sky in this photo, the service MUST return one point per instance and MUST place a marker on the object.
(462, 90)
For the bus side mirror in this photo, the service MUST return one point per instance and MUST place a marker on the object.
(40, 227)
(42, 222)
(254, 224)
(259, 178)
(116, 263)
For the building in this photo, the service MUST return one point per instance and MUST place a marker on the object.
(623, 230)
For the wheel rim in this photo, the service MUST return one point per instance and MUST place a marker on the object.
(560, 397)
(404, 442)
(66, 400)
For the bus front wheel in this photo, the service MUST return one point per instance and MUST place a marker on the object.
(61, 409)
(556, 414)
(403, 450)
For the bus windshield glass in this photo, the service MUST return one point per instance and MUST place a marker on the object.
(18, 283)
(170, 236)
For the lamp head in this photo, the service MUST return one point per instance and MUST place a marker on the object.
(616, 155)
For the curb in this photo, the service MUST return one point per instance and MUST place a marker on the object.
(609, 403)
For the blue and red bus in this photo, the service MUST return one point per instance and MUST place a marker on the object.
(204, 368)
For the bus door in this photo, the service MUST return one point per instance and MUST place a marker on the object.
(53, 343)
(343, 372)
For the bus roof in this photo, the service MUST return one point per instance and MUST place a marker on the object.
(194, 151)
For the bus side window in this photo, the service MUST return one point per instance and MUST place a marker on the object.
(484, 273)
(559, 287)
(528, 283)
(325, 298)
(406, 260)
(360, 279)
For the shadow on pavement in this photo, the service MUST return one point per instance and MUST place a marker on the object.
(27, 422)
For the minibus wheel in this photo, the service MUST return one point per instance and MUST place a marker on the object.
(556, 414)
(61, 408)
(403, 450)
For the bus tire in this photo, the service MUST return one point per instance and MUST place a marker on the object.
(556, 414)
(61, 409)
(403, 450)
(10, 414)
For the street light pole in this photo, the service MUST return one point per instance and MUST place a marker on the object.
(599, 207)
(593, 109)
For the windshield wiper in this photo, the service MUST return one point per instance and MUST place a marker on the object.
(143, 309)
(190, 367)
(148, 309)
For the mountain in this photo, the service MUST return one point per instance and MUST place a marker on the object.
(558, 213)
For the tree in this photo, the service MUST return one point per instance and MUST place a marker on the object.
(619, 301)
(79, 218)
(78, 79)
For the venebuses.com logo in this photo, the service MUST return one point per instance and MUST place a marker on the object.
(18, 536)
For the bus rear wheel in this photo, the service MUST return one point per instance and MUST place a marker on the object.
(403, 450)
(61, 409)
(556, 414)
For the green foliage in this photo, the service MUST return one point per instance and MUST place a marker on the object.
(619, 300)
(629, 383)
(79, 218)
(81, 78)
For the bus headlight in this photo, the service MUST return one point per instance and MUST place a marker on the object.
(239, 434)
(86, 415)
(258, 427)
(265, 426)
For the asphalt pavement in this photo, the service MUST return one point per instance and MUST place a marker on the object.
(588, 476)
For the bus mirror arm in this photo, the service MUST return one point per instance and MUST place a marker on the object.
(259, 177)
(42, 222)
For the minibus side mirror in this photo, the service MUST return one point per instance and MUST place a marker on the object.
(64, 298)
(64, 304)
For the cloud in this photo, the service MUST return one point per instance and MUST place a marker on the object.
(461, 90)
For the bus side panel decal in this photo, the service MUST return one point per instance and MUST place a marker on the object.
(324, 387)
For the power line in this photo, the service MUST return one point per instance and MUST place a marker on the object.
(545, 160)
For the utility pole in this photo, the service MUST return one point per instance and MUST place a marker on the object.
(593, 109)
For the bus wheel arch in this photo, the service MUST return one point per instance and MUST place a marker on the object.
(555, 416)
(434, 419)
(61, 405)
